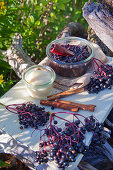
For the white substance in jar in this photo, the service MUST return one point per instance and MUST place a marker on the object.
(39, 82)
(38, 77)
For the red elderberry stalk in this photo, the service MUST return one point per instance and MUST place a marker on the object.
(99, 72)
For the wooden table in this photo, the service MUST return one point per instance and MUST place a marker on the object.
(10, 124)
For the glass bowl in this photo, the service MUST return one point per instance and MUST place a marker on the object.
(71, 69)
(39, 81)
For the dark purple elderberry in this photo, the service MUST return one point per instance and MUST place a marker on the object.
(55, 122)
(55, 147)
(70, 129)
(62, 149)
(66, 124)
(59, 165)
(57, 161)
(65, 164)
(69, 153)
(45, 154)
(41, 145)
(52, 107)
(86, 147)
(64, 141)
(26, 126)
(77, 122)
(71, 156)
(71, 148)
(46, 160)
(53, 153)
(80, 150)
(21, 127)
(97, 123)
(63, 156)
(101, 128)
(101, 124)
(67, 132)
(37, 153)
(62, 133)
(96, 129)
(83, 129)
(56, 143)
(52, 158)
(74, 137)
(51, 142)
(59, 129)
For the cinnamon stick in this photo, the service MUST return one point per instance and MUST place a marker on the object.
(88, 107)
(59, 105)
(65, 93)
(58, 49)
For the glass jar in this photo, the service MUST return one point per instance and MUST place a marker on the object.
(39, 81)
(70, 69)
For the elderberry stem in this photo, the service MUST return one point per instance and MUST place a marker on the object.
(3, 105)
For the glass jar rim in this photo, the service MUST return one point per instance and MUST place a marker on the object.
(53, 75)
(70, 38)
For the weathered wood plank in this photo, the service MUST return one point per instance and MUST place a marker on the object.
(16, 57)
(9, 145)
(108, 151)
(100, 21)
(85, 166)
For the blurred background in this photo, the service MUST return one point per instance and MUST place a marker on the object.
(39, 22)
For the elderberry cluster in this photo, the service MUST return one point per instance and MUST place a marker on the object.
(31, 115)
(81, 53)
(101, 80)
(63, 145)
(92, 126)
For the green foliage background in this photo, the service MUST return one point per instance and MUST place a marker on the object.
(39, 22)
